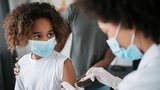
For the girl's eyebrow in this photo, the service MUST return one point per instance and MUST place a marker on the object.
(51, 30)
(36, 32)
(40, 32)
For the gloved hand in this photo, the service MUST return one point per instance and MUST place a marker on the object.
(67, 86)
(104, 77)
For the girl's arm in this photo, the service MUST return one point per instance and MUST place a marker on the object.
(68, 72)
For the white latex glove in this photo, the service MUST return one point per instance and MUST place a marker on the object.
(104, 77)
(67, 86)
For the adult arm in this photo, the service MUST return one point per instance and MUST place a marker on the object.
(104, 63)
(107, 59)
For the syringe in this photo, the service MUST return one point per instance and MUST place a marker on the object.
(86, 77)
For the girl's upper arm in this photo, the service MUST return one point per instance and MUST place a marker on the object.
(68, 72)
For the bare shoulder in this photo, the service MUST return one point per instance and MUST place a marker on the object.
(67, 63)
(68, 73)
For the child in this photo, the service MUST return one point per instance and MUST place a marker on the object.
(38, 26)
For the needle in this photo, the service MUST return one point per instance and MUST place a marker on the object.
(86, 77)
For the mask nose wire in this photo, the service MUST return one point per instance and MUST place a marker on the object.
(118, 28)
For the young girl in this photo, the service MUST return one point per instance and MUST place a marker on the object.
(39, 27)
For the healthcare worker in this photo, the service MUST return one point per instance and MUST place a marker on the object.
(134, 33)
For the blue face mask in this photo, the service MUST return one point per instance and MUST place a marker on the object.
(42, 48)
(131, 53)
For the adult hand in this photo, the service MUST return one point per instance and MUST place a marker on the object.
(80, 84)
(103, 76)
(67, 86)
(17, 67)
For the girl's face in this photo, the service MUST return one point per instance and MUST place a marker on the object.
(41, 30)
(124, 36)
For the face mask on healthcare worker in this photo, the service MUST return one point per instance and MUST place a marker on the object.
(131, 53)
(42, 48)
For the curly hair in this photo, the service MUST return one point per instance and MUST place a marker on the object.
(18, 23)
(143, 14)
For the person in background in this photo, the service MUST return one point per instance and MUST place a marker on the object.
(39, 27)
(89, 47)
(132, 27)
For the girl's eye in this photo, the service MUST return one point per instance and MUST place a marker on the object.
(37, 36)
(50, 35)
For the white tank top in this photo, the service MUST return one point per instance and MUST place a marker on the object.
(43, 74)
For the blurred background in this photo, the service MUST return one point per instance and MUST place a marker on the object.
(7, 60)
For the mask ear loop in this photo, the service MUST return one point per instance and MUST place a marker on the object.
(117, 30)
(132, 39)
